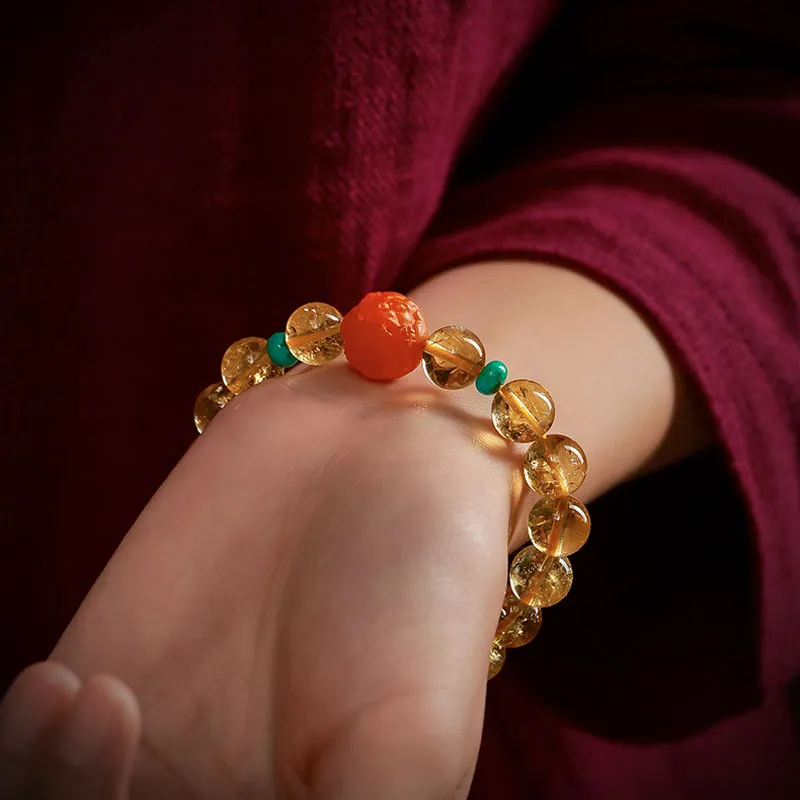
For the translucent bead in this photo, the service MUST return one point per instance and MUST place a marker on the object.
(519, 622)
(522, 410)
(384, 336)
(453, 357)
(247, 364)
(209, 403)
(559, 527)
(538, 579)
(555, 466)
(313, 334)
(497, 657)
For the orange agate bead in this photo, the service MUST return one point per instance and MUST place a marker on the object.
(384, 336)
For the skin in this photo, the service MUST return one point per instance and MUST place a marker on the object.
(304, 609)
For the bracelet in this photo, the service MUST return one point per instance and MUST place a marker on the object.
(384, 338)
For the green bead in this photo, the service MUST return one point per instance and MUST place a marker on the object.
(491, 377)
(278, 352)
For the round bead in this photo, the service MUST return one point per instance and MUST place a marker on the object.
(313, 333)
(519, 622)
(384, 336)
(247, 364)
(453, 357)
(491, 378)
(522, 410)
(278, 352)
(539, 580)
(497, 657)
(209, 403)
(559, 527)
(555, 466)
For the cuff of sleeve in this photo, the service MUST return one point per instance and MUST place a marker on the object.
(628, 225)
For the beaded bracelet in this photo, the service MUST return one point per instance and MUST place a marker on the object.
(384, 338)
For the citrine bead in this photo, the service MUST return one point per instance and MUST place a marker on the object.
(522, 410)
(519, 622)
(497, 657)
(384, 336)
(278, 352)
(555, 466)
(491, 378)
(247, 364)
(209, 403)
(538, 579)
(313, 333)
(453, 357)
(559, 526)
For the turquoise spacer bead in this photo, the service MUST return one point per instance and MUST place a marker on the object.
(278, 352)
(491, 377)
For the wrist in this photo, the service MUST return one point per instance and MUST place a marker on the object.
(615, 386)
(379, 474)
(352, 426)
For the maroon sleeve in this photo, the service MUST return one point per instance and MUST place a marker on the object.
(675, 180)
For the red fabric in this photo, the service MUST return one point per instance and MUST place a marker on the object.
(175, 175)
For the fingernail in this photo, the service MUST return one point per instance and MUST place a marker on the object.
(31, 705)
(90, 724)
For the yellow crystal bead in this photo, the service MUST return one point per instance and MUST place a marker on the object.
(247, 364)
(209, 403)
(560, 526)
(313, 334)
(555, 466)
(497, 657)
(453, 357)
(519, 622)
(539, 580)
(522, 410)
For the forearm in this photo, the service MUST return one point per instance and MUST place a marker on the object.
(616, 388)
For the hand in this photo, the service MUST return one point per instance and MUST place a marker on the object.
(305, 607)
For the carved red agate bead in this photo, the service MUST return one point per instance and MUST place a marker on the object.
(384, 336)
